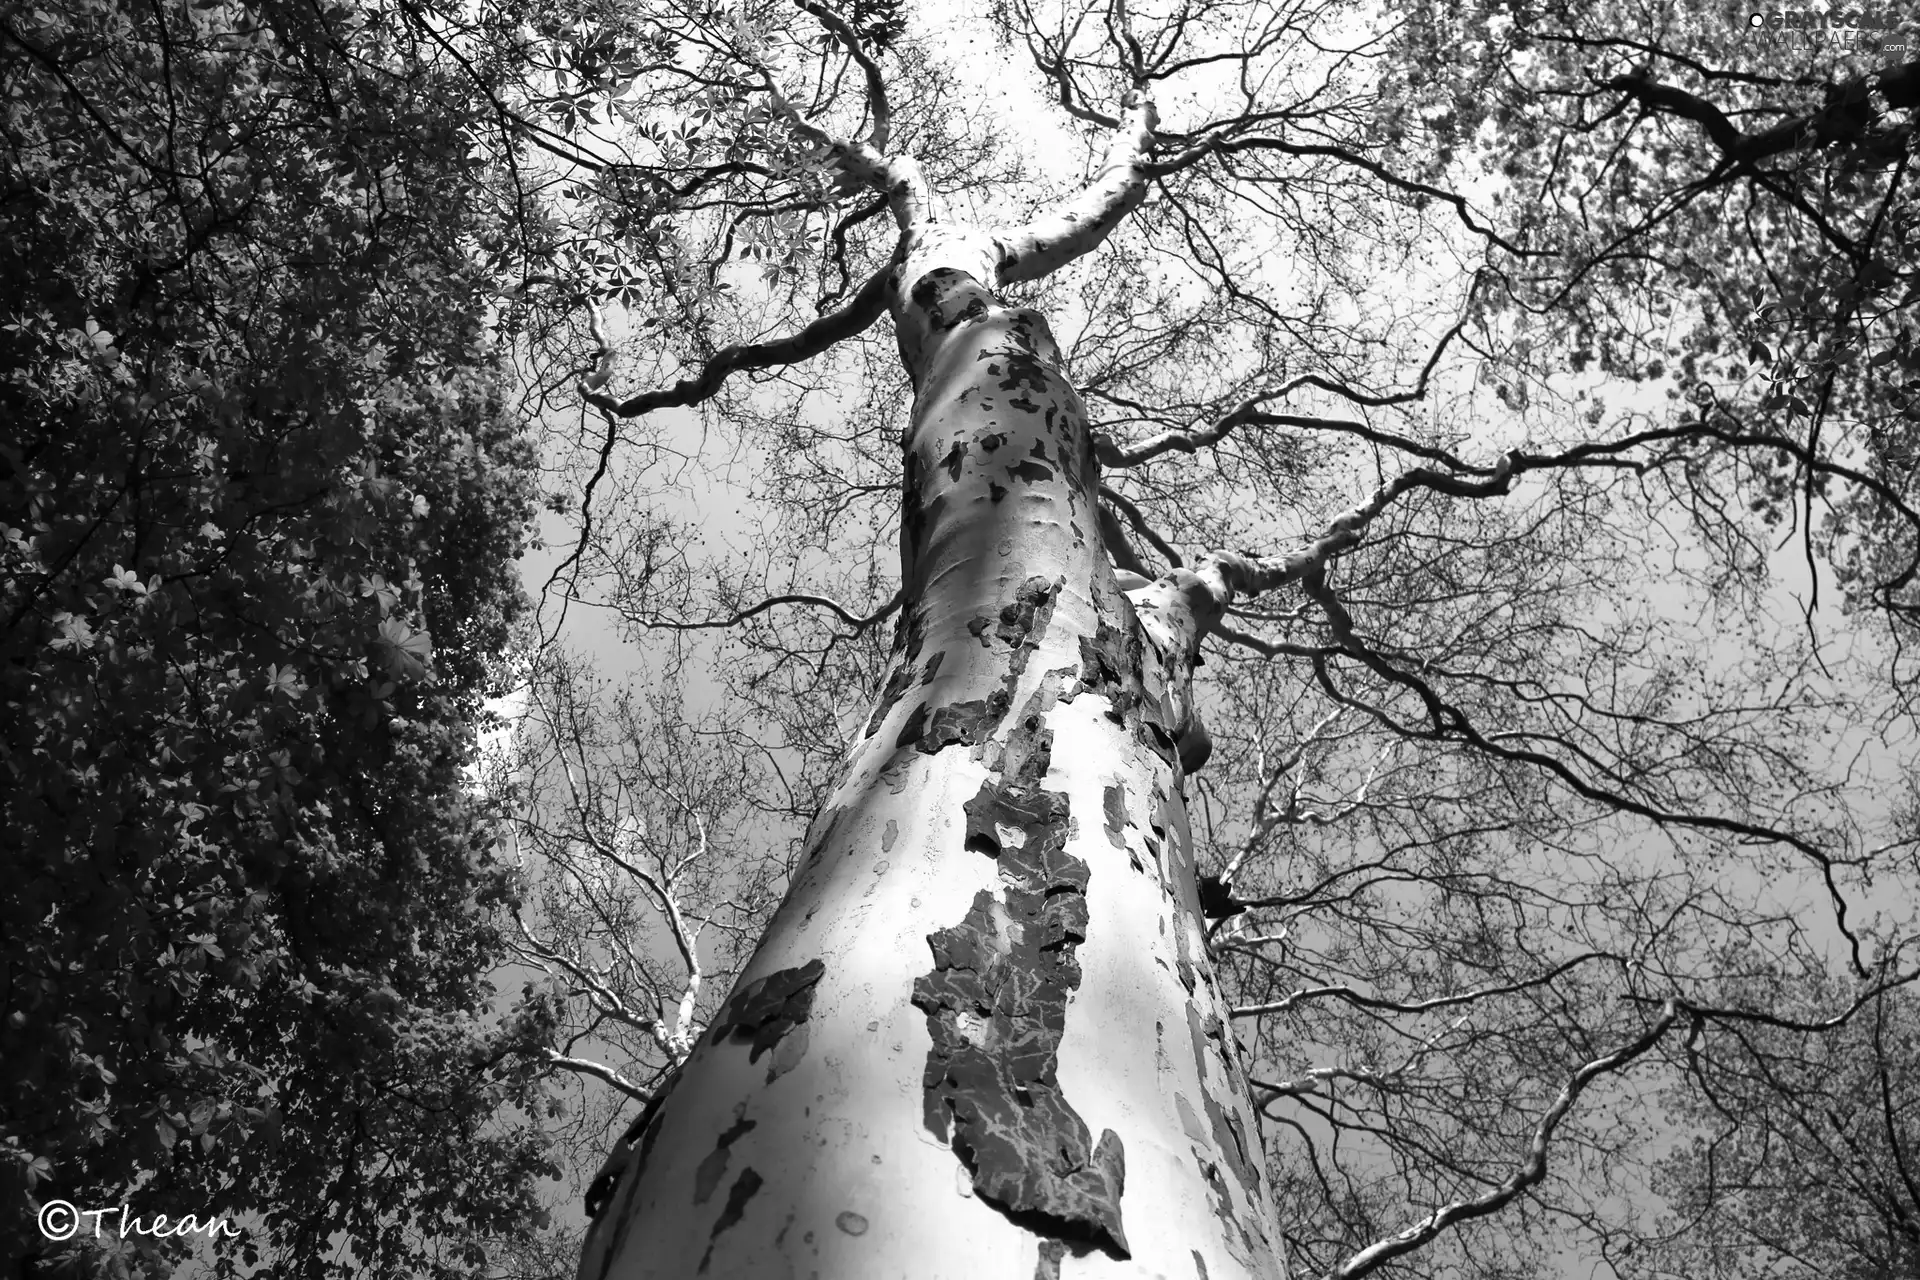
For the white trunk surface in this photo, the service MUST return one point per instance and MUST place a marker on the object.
(981, 1037)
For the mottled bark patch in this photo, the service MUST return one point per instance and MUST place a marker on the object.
(996, 1006)
(914, 726)
(1022, 366)
(1110, 662)
(1229, 1134)
(1114, 807)
(909, 636)
(788, 1053)
(913, 519)
(706, 1178)
(1183, 957)
(763, 1012)
(1023, 619)
(1114, 663)
(948, 297)
(969, 723)
(1021, 624)
(1249, 1248)
(1250, 1251)
(744, 1188)
(899, 680)
(628, 1158)
(1163, 742)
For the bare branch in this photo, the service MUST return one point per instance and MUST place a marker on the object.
(1138, 520)
(1364, 1001)
(1256, 142)
(1119, 550)
(858, 623)
(876, 82)
(1042, 246)
(1531, 1171)
(599, 1071)
(1247, 412)
(855, 317)
(1845, 116)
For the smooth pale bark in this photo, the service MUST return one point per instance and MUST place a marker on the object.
(981, 1037)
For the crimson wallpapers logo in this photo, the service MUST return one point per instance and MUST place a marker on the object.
(1816, 20)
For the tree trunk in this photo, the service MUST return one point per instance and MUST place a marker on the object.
(982, 1037)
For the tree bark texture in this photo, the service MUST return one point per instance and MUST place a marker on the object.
(982, 1036)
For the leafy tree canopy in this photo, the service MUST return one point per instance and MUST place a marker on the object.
(262, 483)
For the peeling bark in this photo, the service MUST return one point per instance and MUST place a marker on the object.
(992, 949)
(996, 1006)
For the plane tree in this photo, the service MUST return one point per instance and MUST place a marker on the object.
(1259, 538)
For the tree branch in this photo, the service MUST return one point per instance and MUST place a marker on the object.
(1845, 117)
(857, 623)
(876, 83)
(855, 317)
(1248, 411)
(599, 1071)
(1040, 247)
(1531, 1171)
(1363, 1001)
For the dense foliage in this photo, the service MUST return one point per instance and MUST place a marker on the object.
(262, 484)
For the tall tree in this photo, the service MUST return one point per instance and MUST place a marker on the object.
(263, 487)
(1510, 765)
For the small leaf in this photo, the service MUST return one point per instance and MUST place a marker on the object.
(1758, 354)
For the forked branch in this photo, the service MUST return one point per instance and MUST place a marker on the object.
(877, 101)
(1530, 1173)
(855, 317)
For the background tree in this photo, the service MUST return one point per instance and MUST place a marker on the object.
(1715, 207)
(648, 878)
(263, 486)
(1805, 1159)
